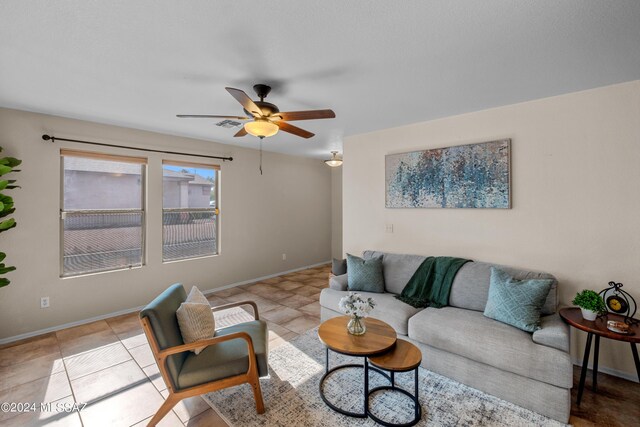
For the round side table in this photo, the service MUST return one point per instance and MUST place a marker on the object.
(404, 357)
(379, 338)
(598, 328)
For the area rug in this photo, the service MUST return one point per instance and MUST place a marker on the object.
(291, 396)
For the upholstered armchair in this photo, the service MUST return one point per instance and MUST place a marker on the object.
(236, 355)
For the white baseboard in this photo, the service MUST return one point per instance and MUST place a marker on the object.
(134, 309)
(614, 372)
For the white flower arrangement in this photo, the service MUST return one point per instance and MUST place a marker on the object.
(355, 305)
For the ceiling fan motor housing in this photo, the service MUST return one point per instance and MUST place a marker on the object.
(268, 109)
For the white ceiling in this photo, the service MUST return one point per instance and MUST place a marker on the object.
(377, 64)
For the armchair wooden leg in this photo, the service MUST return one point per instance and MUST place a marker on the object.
(168, 404)
(257, 393)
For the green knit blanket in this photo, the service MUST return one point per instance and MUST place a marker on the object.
(431, 284)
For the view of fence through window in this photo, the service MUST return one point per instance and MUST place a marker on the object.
(190, 211)
(102, 213)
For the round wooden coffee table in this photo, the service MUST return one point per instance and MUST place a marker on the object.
(379, 338)
(404, 357)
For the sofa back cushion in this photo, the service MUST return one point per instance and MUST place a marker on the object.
(470, 288)
(397, 269)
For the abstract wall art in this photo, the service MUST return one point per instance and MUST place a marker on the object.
(465, 176)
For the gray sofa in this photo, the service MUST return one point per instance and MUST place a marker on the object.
(530, 370)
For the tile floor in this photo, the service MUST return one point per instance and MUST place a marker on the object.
(108, 365)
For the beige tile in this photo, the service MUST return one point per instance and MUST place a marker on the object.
(43, 390)
(32, 348)
(216, 301)
(288, 285)
(321, 284)
(143, 355)
(302, 324)
(276, 330)
(123, 408)
(102, 384)
(312, 309)
(169, 420)
(153, 373)
(262, 289)
(306, 291)
(282, 315)
(296, 301)
(93, 361)
(208, 418)
(277, 295)
(30, 370)
(273, 280)
(224, 293)
(85, 338)
(188, 408)
(49, 418)
(128, 329)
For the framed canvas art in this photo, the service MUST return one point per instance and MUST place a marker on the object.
(465, 176)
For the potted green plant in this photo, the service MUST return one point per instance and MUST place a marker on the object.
(590, 304)
(7, 165)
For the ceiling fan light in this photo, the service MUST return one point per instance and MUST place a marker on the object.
(334, 161)
(261, 128)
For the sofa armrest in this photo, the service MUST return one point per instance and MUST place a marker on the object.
(554, 332)
(339, 283)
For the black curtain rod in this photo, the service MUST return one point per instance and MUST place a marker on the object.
(102, 144)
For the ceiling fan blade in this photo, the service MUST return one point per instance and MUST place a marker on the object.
(241, 132)
(284, 126)
(208, 116)
(245, 101)
(304, 115)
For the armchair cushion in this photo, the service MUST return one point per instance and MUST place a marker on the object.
(161, 313)
(228, 358)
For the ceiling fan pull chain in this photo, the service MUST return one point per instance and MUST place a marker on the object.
(261, 138)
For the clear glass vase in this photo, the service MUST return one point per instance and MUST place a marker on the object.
(356, 326)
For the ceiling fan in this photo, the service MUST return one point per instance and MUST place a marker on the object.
(265, 118)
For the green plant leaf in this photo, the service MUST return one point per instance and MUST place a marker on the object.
(2, 256)
(4, 170)
(7, 224)
(7, 212)
(12, 162)
(3, 184)
(4, 282)
(5, 270)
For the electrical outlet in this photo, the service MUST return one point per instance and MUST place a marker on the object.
(44, 302)
(389, 228)
(284, 257)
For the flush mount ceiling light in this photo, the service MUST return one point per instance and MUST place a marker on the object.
(261, 128)
(334, 161)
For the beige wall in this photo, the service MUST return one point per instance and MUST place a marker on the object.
(575, 185)
(286, 210)
(336, 212)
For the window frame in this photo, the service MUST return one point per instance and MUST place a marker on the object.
(143, 162)
(216, 210)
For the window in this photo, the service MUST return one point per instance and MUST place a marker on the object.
(102, 216)
(190, 210)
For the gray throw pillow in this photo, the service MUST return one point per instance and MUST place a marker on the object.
(339, 266)
(364, 275)
(516, 302)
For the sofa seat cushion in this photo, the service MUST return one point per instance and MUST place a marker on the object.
(388, 308)
(226, 359)
(470, 334)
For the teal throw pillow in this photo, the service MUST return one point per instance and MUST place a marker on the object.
(364, 275)
(516, 302)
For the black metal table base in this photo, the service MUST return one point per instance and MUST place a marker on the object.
(414, 397)
(365, 403)
(596, 351)
(367, 393)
